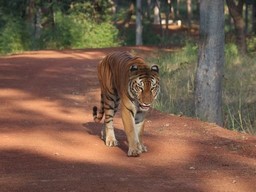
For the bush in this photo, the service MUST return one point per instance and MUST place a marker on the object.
(75, 31)
(251, 44)
(14, 36)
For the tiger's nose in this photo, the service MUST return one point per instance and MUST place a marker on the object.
(147, 99)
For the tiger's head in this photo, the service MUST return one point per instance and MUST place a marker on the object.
(143, 85)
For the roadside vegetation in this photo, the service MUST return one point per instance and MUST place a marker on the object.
(74, 27)
(239, 85)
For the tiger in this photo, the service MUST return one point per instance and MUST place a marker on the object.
(128, 80)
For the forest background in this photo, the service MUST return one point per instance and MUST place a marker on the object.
(170, 24)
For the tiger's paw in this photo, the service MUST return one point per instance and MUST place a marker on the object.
(144, 148)
(111, 142)
(134, 152)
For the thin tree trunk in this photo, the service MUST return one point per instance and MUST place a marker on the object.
(157, 14)
(157, 7)
(138, 23)
(178, 9)
(38, 26)
(148, 9)
(31, 14)
(129, 14)
(189, 13)
(246, 18)
(208, 91)
(236, 12)
(254, 18)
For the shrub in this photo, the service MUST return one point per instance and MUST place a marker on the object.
(14, 36)
(75, 31)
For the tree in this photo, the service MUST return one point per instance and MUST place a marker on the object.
(236, 12)
(208, 90)
(129, 14)
(189, 13)
(157, 13)
(254, 17)
(138, 23)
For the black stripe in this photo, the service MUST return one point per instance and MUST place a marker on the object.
(108, 106)
(110, 98)
(94, 111)
(130, 111)
(108, 121)
(108, 116)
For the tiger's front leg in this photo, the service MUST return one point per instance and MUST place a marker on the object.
(107, 133)
(133, 132)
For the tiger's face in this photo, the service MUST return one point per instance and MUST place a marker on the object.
(144, 85)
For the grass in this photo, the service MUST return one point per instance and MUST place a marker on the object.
(239, 86)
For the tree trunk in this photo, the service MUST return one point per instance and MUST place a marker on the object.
(208, 90)
(129, 14)
(157, 15)
(138, 23)
(189, 13)
(178, 9)
(148, 9)
(236, 12)
(157, 6)
(38, 27)
(246, 19)
(254, 17)
(31, 14)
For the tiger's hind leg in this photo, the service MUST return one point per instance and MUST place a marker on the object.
(110, 106)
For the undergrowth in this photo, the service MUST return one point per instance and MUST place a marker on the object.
(239, 86)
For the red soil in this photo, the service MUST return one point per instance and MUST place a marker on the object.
(48, 141)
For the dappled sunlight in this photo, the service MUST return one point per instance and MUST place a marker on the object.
(17, 100)
(55, 130)
(10, 94)
(52, 110)
(229, 181)
(59, 145)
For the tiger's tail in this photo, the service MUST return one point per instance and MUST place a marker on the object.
(98, 116)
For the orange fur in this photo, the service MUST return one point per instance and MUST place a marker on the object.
(129, 80)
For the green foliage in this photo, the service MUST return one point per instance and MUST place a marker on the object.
(14, 36)
(98, 11)
(58, 37)
(13, 8)
(75, 31)
(66, 24)
(251, 44)
(177, 86)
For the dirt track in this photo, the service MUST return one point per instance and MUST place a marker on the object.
(48, 141)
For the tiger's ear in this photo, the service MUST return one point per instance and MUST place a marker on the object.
(133, 68)
(155, 68)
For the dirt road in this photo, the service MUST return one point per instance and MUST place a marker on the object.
(48, 141)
